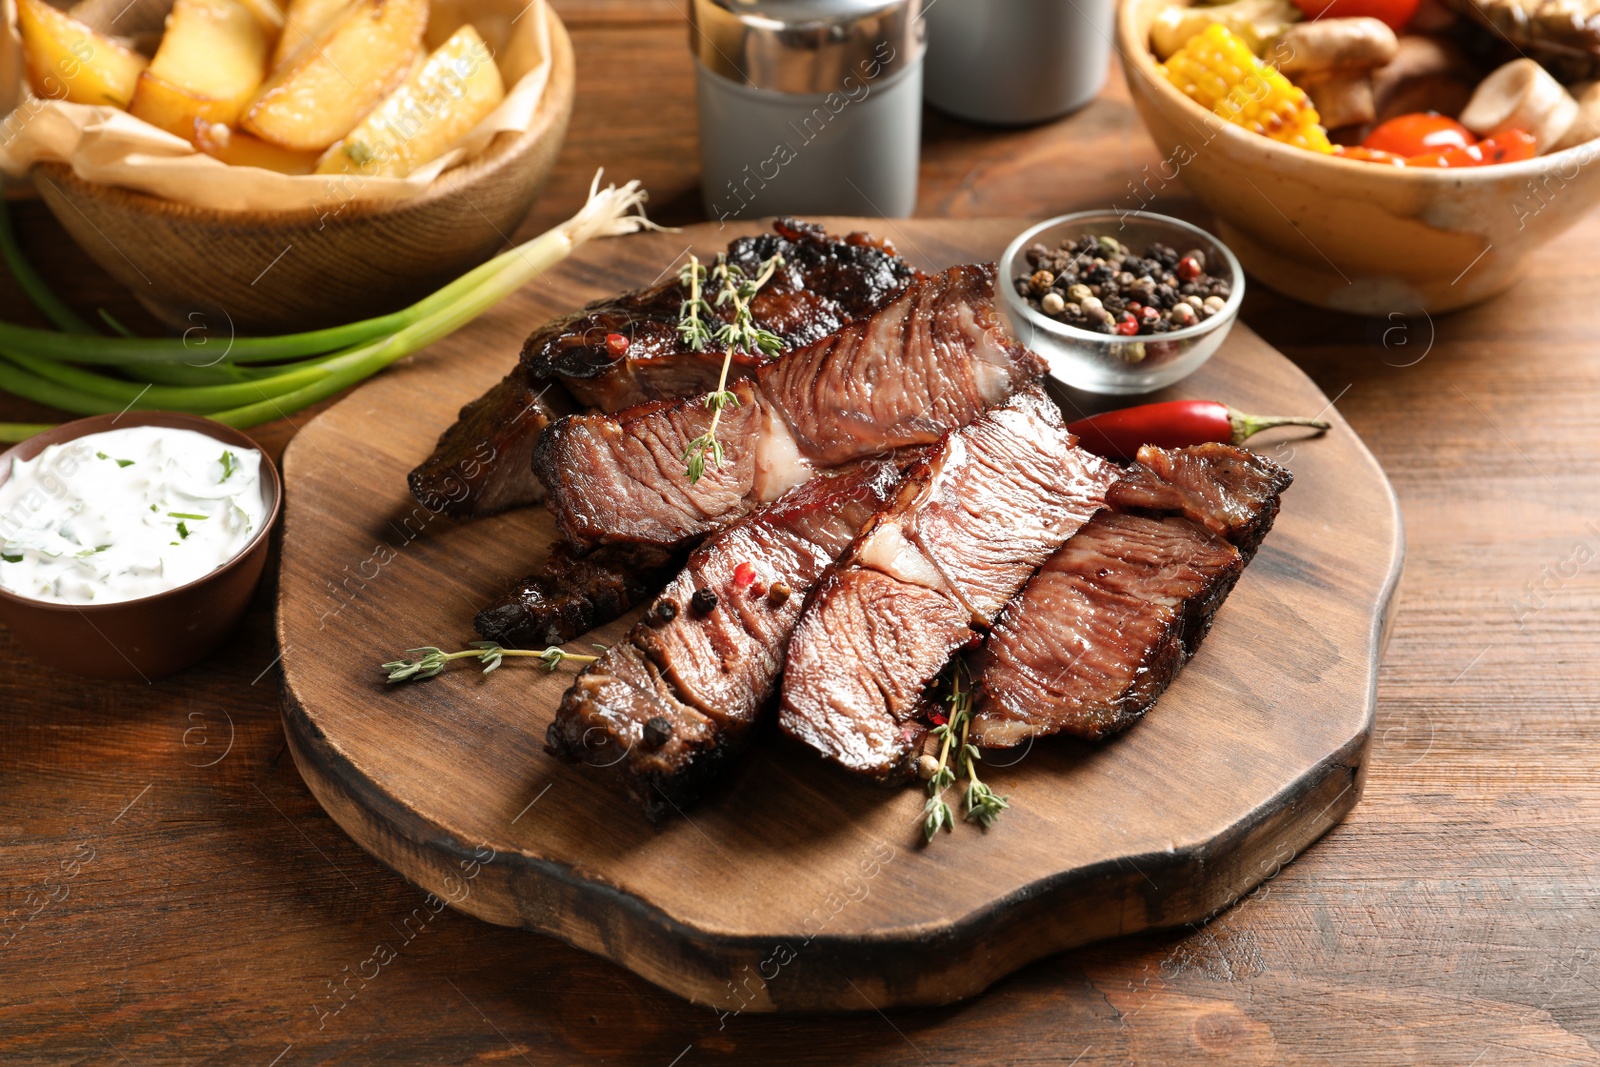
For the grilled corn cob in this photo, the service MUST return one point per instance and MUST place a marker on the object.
(1217, 70)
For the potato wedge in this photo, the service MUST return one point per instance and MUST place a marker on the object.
(212, 60)
(303, 20)
(454, 90)
(269, 14)
(66, 60)
(320, 94)
(241, 150)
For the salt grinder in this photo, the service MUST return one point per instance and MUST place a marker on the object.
(808, 107)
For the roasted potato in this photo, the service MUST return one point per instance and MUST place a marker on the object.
(303, 20)
(67, 60)
(325, 89)
(450, 94)
(212, 60)
(269, 14)
(241, 150)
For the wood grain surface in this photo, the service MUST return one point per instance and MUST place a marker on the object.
(823, 895)
(1449, 920)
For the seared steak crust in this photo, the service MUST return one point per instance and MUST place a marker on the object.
(824, 282)
(967, 528)
(1103, 628)
(927, 362)
(1231, 491)
(665, 706)
(484, 462)
(566, 364)
(572, 594)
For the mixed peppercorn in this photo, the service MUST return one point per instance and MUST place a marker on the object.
(1098, 284)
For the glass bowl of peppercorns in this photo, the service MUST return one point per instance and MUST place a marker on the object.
(1121, 302)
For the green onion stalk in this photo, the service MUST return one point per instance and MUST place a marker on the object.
(258, 379)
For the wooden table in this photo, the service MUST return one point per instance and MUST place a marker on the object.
(1450, 920)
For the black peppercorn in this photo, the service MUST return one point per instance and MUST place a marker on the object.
(665, 611)
(704, 600)
(657, 732)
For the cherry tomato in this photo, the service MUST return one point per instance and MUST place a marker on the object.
(1369, 155)
(1508, 146)
(1397, 13)
(1419, 133)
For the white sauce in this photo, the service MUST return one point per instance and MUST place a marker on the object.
(125, 514)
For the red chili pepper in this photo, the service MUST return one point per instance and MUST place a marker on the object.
(616, 344)
(743, 575)
(1173, 424)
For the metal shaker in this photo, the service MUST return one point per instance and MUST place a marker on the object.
(1016, 62)
(808, 106)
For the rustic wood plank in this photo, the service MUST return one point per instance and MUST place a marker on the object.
(1448, 920)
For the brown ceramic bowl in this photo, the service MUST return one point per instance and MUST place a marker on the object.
(153, 636)
(1346, 235)
(192, 266)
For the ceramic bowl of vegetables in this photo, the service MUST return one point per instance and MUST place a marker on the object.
(323, 90)
(1368, 156)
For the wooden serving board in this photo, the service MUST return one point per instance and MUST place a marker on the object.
(795, 887)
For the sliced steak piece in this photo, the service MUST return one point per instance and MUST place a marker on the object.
(665, 706)
(967, 528)
(1103, 628)
(927, 362)
(571, 594)
(824, 283)
(484, 462)
(1229, 490)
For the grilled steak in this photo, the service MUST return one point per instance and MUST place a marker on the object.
(483, 462)
(571, 595)
(665, 706)
(968, 526)
(1231, 491)
(926, 362)
(823, 283)
(1103, 628)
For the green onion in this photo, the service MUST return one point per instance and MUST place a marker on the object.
(21, 431)
(179, 374)
(32, 285)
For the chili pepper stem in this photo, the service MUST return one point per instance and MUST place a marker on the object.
(1247, 426)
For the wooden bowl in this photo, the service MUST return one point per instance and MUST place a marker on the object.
(276, 272)
(152, 636)
(1346, 235)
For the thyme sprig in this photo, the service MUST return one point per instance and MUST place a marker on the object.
(739, 332)
(430, 660)
(695, 330)
(982, 804)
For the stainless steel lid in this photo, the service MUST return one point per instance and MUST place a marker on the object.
(806, 46)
